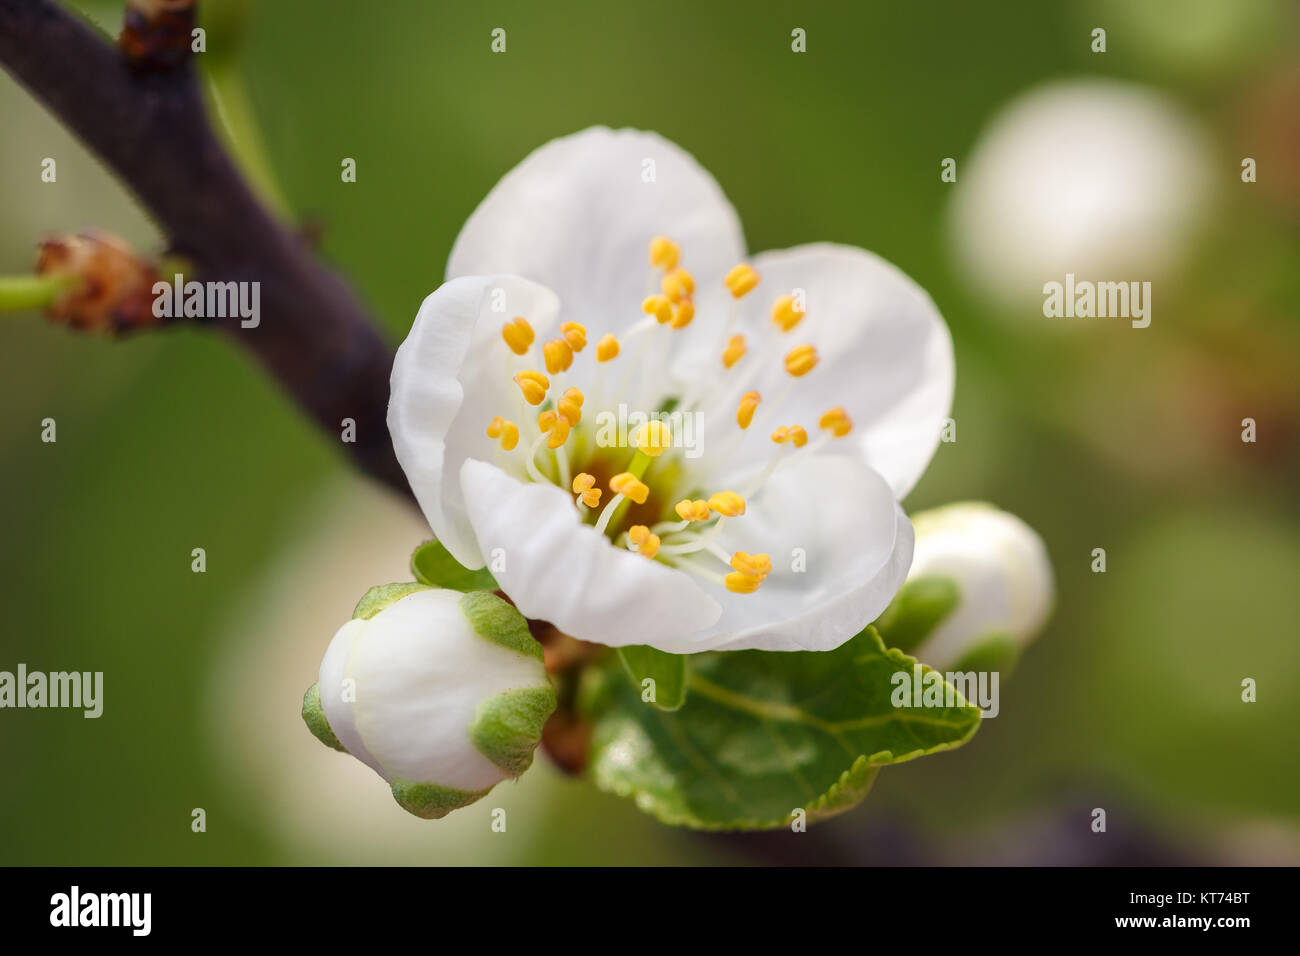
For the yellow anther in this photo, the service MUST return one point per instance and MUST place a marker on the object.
(518, 335)
(643, 541)
(533, 385)
(506, 431)
(741, 280)
(745, 411)
(734, 351)
(606, 348)
(558, 355)
(584, 486)
(570, 406)
(629, 486)
(575, 334)
(683, 312)
(678, 285)
(801, 360)
(652, 438)
(727, 503)
(659, 307)
(793, 434)
(739, 583)
(664, 253)
(554, 426)
(688, 510)
(755, 565)
(559, 434)
(836, 421)
(785, 314)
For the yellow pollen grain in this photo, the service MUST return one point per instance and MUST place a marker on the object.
(606, 348)
(683, 313)
(801, 360)
(836, 421)
(652, 438)
(518, 335)
(745, 411)
(785, 314)
(506, 431)
(630, 487)
(728, 504)
(739, 583)
(645, 543)
(755, 565)
(689, 510)
(798, 437)
(584, 486)
(678, 285)
(570, 405)
(558, 355)
(664, 253)
(741, 280)
(734, 351)
(533, 385)
(575, 334)
(659, 307)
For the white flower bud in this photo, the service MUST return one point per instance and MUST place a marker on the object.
(443, 694)
(1003, 577)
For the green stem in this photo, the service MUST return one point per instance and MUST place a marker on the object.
(32, 293)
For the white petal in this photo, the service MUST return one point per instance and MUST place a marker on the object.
(421, 673)
(885, 354)
(338, 710)
(452, 376)
(857, 544)
(557, 569)
(1001, 568)
(577, 215)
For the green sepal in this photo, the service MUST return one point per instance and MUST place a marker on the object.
(764, 734)
(432, 802)
(498, 620)
(383, 595)
(433, 565)
(917, 609)
(313, 714)
(993, 652)
(508, 727)
(668, 671)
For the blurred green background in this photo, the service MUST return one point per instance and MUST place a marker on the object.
(1104, 437)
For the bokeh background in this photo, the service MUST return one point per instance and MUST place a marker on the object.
(1097, 434)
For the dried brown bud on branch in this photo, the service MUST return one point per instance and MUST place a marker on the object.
(113, 290)
(156, 34)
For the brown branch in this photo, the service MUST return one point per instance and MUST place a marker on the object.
(148, 123)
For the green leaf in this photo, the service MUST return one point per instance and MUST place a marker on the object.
(916, 610)
(668, 671)
(433, 565)
(764, 734)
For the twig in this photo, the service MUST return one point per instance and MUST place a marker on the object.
(149, 125)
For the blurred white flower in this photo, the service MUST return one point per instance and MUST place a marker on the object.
(1002, 572)
(1099, 178)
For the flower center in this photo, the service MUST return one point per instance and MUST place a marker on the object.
(643, 492)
